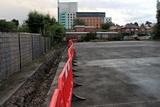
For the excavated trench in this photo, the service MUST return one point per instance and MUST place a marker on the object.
(34, 90)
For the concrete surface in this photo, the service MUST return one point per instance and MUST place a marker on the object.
(118, 74)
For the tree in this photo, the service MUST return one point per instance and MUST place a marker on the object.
(35, 22)
(147, 22)
(78, 21)
(90, 36)
(107, 25)
(45, 25)
(16, 22)
(157, 27)
(136, 24)
(7, 26)
(23, 28)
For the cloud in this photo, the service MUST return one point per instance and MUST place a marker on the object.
(121, 11)
(19, 9)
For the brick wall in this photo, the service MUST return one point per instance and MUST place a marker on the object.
(79, 29)
(18, 49)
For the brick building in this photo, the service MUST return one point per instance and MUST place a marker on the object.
(130, 28)
(146, 28)
(115, 28)
(92, 18)
(84, 29)
(80, 31)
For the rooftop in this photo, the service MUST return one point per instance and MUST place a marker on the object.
(131, 26)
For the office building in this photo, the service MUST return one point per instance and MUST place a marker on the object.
(92, 18)
(107, 19)
(66, 13)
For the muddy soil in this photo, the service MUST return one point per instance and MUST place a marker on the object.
(34, 90)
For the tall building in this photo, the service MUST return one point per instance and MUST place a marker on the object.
(107, 19)
(92, 18)
(66, 13)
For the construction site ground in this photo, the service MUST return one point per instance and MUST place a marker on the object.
(118, 74)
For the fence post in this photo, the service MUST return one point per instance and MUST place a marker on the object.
(19, 41)
(32, 48)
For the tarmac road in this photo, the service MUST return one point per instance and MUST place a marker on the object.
(118, 74)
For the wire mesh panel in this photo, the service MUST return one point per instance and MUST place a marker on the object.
(18, 49)
(25, 48)
(36, 45)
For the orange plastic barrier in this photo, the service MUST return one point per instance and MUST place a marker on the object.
(62, 96)
(71, 52)
(56, 100)
(65, 83)
(70, 43)
(74, 40)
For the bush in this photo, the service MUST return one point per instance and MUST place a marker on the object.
(99, 40)
(142, 34)
(89, 36)
(136, 38)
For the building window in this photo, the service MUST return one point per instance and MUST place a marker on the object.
(127, 30)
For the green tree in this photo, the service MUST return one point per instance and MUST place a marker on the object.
(89, 36)
(39, 23)
(107, 25)
(7, 26)
(78, 21)
(16, 22)
(35, 22)
(147, 22)
(157, 26)
(45, 25)
(136, 23)
(23, 28)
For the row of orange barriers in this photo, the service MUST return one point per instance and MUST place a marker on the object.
(62, 97)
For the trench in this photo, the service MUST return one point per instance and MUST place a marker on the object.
(34, 90)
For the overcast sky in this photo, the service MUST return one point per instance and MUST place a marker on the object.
(121, 11)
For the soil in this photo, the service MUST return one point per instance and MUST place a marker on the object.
(35, 88)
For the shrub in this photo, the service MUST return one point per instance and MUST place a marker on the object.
(89, 36)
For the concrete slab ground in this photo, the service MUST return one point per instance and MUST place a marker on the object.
(118, 74)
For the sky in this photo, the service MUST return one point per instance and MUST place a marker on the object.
(121, 11)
